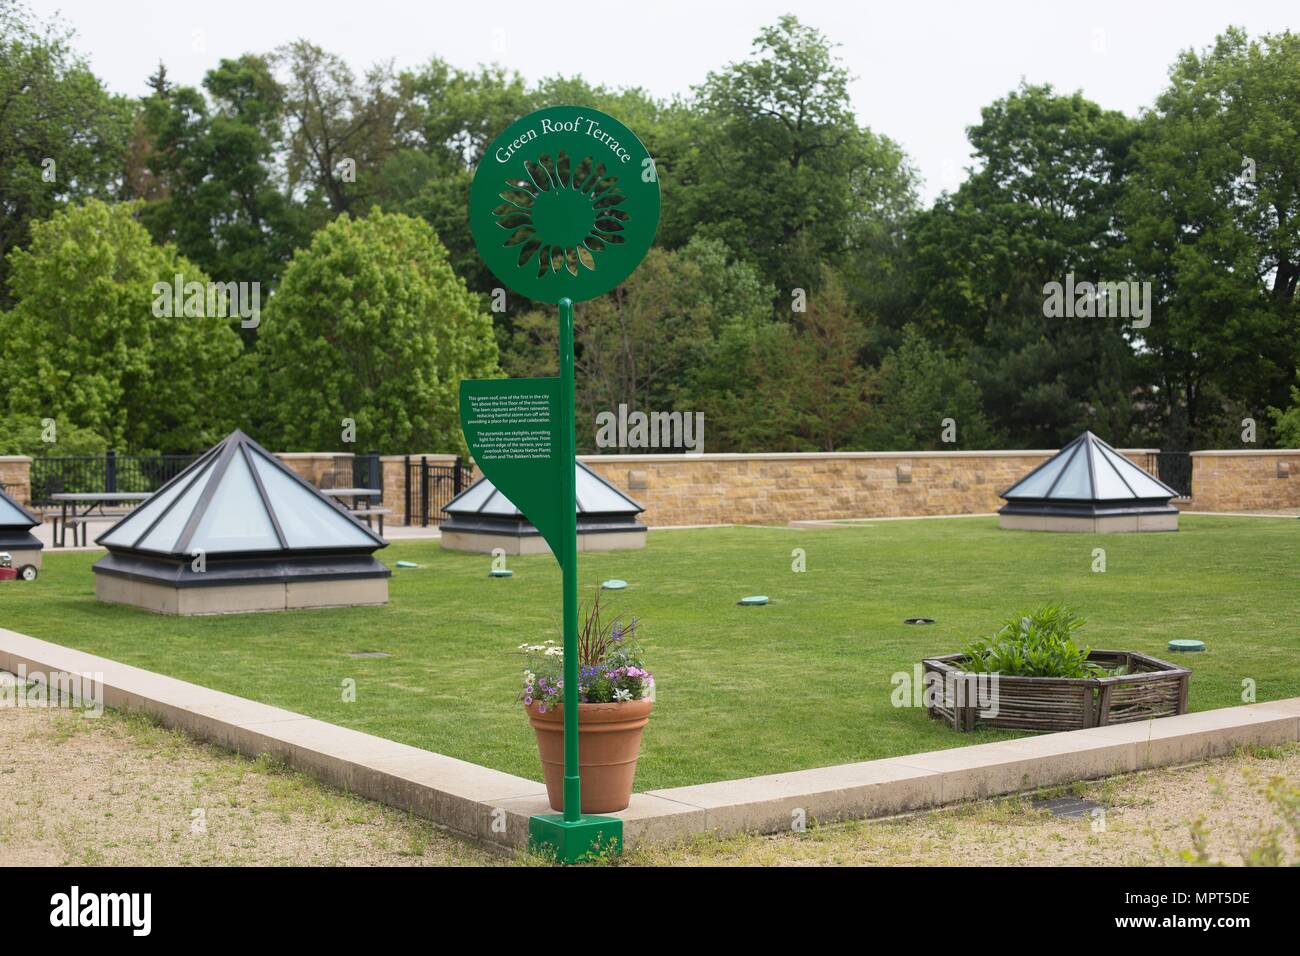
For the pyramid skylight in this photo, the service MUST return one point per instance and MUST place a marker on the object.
(238, 498)
(595, 496)
(1088, 469)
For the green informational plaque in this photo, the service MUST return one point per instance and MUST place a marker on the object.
(512, 427)
(565, 204)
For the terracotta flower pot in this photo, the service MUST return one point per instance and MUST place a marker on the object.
(609, 742)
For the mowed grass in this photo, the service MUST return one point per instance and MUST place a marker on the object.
(802, 682)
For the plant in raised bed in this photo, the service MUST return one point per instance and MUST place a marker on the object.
(615, 696)
(1037, 643)
(1033, 675)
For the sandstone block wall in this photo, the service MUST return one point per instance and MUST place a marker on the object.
(765, 488)
(1245, 480)
(15, 475)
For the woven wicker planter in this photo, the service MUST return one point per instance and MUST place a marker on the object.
(1151, 688)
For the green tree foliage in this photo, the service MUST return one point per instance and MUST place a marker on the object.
(782, 171)
(668, 339)
(62, 137)
(919, 387)
(1212, 213)
(211, 173)
(27, 435)
(1040, 205)
(370, 323)
(1286, 422)
(772, 189)
(339, 131)
(83, 345)
(795, 385)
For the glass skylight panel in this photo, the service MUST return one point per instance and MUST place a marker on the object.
(1036, 485)
(596, 497)
(165, 535)
(235, 519)
(1109, 484)
(306, 520)
(1144, 486)
(1074, 482)
(9, 515)
(125, 532)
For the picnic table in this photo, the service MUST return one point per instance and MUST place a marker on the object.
(94, 502)
(353, 500)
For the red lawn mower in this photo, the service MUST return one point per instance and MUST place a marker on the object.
(8, 572)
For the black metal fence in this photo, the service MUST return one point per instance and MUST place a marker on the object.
(430, 485)
(1175, 470)
(102, 473)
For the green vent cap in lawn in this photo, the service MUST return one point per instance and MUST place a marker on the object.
(753, 599)
(501, 573)
(1186, 647)
(614, 584)
(407, 564)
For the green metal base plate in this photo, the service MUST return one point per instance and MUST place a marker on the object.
(574, 842)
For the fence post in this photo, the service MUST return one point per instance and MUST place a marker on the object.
(457, 481)
(406, 489)
(374, 477)
(424, 489)
(110, 471)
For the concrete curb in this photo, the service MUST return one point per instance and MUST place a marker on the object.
(494, 807)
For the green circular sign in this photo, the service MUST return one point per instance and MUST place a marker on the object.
(565, 203)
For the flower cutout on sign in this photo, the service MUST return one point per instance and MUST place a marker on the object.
(564, 215)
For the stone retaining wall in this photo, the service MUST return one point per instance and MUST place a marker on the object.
(765, 488)
(15, 475)
(1245, 480)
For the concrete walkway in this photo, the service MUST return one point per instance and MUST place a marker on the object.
(494, 807)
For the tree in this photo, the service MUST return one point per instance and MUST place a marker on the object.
(339, 132)
(29, 435)
(1041, 206)
(1212, 214)
(782, 172)
(370, 323)
(920, 387)
(85, 345)
(62, 137)
(797, 386)
(212, 176)
(1286, 422)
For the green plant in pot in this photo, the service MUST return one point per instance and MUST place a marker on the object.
(615, 696)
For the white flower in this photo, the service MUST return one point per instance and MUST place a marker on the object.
(554, 652)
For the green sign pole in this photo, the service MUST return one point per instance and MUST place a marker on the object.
(569, 567)
(563, 207)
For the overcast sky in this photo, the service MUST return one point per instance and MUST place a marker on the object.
(921, 70)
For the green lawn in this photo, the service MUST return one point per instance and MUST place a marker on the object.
(802, 682)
